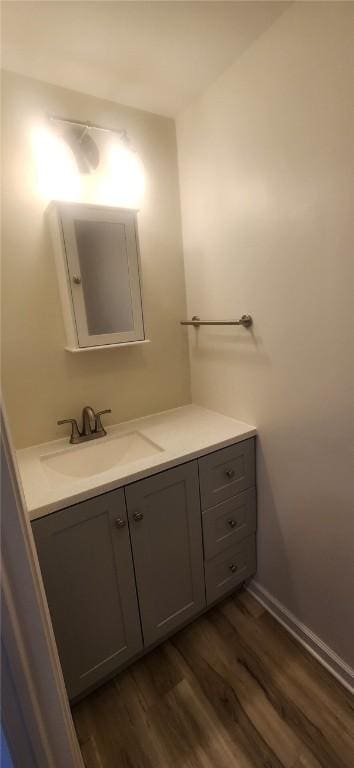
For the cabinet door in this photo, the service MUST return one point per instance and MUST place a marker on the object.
(86, 562)
(165, 525)
(102, 255)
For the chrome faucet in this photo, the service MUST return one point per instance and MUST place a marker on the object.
(91, 425)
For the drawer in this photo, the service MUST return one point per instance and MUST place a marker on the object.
(224, 572)
(225, 473)
(229, 522)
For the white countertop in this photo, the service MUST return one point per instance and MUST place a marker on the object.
(182, 434)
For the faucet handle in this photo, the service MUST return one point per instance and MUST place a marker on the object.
(98, 423)
(75, 433)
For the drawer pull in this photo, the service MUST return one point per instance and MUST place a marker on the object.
(230, 473)
(233, 568)
(119, 522)
(232, 523)
(138, 516)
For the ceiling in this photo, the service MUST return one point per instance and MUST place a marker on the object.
(156, 56)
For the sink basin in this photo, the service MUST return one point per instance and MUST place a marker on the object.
(100, 455)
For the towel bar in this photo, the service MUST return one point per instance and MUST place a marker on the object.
(245, 320)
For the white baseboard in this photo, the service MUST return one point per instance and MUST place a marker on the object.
(335, 665)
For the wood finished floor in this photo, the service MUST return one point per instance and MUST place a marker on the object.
(232, 690)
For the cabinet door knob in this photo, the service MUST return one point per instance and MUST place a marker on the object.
(230, 473)
(119, 522)
(138, 516)
(77, 279)
(232, 523)
(233, 568)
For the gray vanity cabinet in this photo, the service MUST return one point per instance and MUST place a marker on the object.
(125, 569)
(85, 557)
(165, 528)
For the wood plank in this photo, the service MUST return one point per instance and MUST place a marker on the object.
(249, 605)
(189, 730)
(306, 760)
(155, 675)
(90, 755)
(118, 733)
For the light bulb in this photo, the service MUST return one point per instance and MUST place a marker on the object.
(56, 170)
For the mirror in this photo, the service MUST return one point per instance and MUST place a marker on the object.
(104, 273)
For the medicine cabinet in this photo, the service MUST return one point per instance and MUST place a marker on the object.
(98, 266)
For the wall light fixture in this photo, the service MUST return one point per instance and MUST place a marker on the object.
(78, 135)
(76, 162)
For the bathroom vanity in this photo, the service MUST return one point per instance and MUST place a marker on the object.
(152, 545)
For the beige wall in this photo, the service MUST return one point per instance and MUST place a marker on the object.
(42, 382)
(266, 173)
